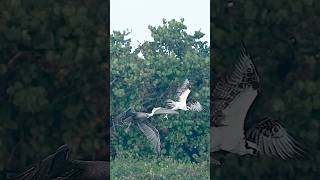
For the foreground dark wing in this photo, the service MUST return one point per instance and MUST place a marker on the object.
(151, 133)
(228, 88)
(165, 111)
(93, 170)
(274, 141)
(54, 166)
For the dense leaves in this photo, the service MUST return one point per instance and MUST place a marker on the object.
(283, 38)
(148, 75)
(53, 79)
(165, 168)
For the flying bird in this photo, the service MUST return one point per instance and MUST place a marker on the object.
(232, 96)
(141, 119)
(182, 96)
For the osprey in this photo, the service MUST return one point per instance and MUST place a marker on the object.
(182, 96)
(232, 97)
(141, 119)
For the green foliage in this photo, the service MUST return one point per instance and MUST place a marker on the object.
(145, 168)
(53, 79)
(283, 39)
(147, 82)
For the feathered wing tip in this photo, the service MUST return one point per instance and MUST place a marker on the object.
(273, 140)
(244, 50)
(185, 86)
(195, 106)
(245, 55)
(244, 73)
(152, 135)
(53, 166)
(186, 83)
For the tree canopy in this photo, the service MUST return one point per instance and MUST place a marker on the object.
(147, 81)
(53, 80)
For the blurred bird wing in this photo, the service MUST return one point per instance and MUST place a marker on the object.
(274, 141)
(195, 106)
(227, 88)
(165, 111)
(184, 96)
(183, 91)
(151, 133)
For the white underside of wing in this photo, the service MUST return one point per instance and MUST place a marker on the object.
(236, 112)
(184, 95)
(181, 103)
(231, 136)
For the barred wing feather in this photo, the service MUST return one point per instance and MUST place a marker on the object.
(195, 106)
(151, 133)
(227, 88)
(274, 141)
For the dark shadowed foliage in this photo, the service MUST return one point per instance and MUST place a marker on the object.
(53, 80)
(283, 39)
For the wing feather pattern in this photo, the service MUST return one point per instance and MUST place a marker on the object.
(227, 88)
(195, 106)
(123, 119)
(151, 133)
(274, 141)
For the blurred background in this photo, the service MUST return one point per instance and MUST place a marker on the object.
(283, 39)
(53, 74)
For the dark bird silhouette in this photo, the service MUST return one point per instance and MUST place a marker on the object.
(141, 119)
(58, 166)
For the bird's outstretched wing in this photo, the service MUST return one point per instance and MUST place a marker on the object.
(195, 106)
(234, 92)
(54, 166)
(162, 110)
(183, 91)
(151, 133)
(274, 141)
